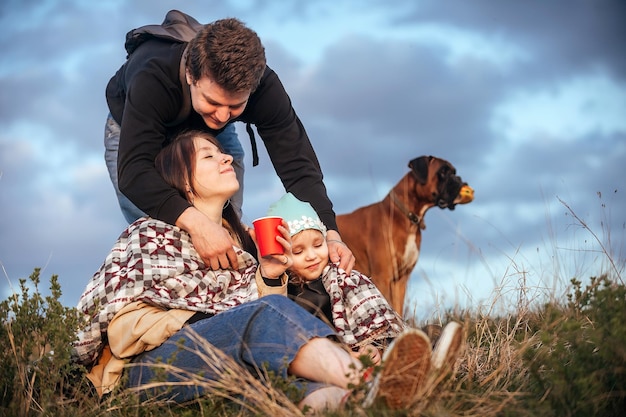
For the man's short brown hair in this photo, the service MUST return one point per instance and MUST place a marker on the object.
(229, 53)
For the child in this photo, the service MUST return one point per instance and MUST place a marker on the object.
(352, 304)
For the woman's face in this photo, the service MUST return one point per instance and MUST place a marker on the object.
(214, 175)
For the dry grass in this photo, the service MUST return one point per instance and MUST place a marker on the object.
(253, 395)
(552, 352)
(491, 378)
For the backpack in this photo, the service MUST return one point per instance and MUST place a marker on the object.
(177, 27)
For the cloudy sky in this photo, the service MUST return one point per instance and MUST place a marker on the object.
(526, 99)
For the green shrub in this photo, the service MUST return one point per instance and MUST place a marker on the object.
(564, 358)
(36, 375)
(578, 365)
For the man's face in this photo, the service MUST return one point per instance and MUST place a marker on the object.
(216, 105)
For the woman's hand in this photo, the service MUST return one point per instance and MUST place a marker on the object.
(371, 352)
(338, 251)
(273, 266)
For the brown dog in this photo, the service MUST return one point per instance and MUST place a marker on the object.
(385, 237)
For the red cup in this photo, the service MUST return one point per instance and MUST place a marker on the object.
(266, 229)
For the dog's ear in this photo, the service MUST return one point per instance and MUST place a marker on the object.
(419, 167)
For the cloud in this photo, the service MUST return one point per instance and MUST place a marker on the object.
(525, 100)
(565, 36)
(566, 111)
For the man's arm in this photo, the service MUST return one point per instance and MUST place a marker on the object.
(152, 99)
(288, 145)
(294, 158)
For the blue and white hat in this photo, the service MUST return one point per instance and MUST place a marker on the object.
(298, 214)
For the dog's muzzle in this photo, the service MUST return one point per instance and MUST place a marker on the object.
(449, 190)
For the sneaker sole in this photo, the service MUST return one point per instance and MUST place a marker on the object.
(447, 347)
(406, 365)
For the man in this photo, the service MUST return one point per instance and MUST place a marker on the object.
(226, 78)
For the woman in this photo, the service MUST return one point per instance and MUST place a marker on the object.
(154, 293)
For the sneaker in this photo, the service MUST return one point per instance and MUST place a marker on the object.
(405, 367)
(447, 347)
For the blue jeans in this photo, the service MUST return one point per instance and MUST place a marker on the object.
(265, 334)
(228, 139)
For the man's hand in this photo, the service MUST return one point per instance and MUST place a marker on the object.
(339, 251)
(211, 240)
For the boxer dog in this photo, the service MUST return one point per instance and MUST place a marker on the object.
(385, 237)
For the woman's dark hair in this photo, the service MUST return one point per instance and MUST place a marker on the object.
(176, 163)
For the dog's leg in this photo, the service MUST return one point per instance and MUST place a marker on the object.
(398, 292)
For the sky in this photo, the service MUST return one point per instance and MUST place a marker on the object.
(526, 99)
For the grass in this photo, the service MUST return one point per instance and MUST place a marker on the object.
(555, 355)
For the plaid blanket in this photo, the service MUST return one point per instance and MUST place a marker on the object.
(155, 262)
(361, 314)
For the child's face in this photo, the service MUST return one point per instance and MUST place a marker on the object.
(310, 254)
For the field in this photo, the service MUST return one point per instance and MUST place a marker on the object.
(556, 354)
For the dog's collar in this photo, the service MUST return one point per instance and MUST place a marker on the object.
(414, 218)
